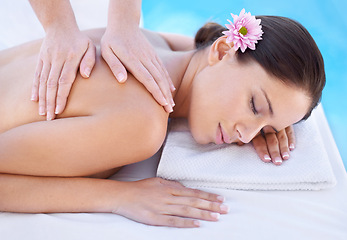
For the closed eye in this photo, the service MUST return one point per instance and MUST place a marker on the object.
(254, 110)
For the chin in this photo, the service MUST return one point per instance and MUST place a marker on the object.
(200, 139)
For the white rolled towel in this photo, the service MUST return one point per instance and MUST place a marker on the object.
(239, 167)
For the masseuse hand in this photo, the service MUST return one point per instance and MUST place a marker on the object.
(63, 51)
(274, 147)
(125, 47)
(158, 202)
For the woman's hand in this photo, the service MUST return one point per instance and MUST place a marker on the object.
(125, 47)
(159, 202)
(63, 51)
(274, 146)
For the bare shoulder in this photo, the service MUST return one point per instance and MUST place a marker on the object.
(138, 127)
(132, 123)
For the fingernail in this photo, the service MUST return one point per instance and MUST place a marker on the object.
(285, 155)
(215, 215)
(197, 223)
(221, 198)
(224, 208)
(267, 157)
(291, 146)
(41, 111)
(120, 77)
(32, 98)
(278, 160)
(172, 103)
(57, 109)
(173, 88)
(170, 108)
(87, 72)
(49, 116)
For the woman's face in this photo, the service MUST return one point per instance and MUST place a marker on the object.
(233, 101)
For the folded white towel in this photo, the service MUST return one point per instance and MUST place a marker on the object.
(239, 167)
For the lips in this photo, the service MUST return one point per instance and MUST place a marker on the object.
(222, 136)
(219, 135)
(226, 137)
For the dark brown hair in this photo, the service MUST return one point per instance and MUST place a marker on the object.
(287, 51)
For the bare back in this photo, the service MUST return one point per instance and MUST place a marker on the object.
(118, 123)
(88, 96)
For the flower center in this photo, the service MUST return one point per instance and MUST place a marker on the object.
(243, 31)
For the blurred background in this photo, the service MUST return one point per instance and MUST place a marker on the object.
(326, 20)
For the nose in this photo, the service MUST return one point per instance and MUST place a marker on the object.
(246, 134)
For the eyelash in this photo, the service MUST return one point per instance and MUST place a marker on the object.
(254, 110)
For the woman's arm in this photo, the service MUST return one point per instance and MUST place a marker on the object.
(151, 201)
(81, 146)
(30, 194)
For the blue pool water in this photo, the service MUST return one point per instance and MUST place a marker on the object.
(326, 20)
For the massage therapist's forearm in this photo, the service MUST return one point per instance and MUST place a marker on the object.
(54, 14)
(123, 13)
(31, 194)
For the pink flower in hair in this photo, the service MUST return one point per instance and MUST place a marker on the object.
(244, 32)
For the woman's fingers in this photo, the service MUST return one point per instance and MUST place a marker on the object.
(196, 194)
(173, 221)
(283, 144)
(169, 203)
(260, 146)
(291, 137)
(274, 146)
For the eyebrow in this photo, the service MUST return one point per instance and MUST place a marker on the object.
(268, 102)
(270, 108)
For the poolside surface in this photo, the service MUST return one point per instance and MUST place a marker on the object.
(325, 20)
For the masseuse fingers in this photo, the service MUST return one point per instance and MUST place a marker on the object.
(52, 85)
(260, 146)
(67, 77)
(273, 147)
(147, 78)
(291, 137)
(162, 68)
(166, 86)
(36, 81)
(157, 84)
(88, 61)
(43, 88)
(115, 64)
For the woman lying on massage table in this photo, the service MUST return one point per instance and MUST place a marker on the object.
(228, 95)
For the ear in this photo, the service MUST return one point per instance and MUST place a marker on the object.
(219, 49)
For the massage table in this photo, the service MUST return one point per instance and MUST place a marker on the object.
(253, 214)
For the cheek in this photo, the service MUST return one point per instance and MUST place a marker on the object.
(205, 107)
